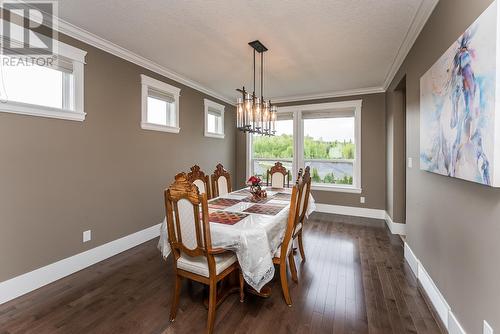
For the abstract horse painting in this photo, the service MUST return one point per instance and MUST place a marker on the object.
(458, 102)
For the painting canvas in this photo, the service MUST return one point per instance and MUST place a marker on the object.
(458, 106)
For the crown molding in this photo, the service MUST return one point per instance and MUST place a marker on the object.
(416, 26)
(340, 93)
(418, 22)
(114, 49)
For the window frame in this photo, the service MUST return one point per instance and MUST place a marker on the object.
(77, 58)
(354, 106)
(209, 104)
(164, 88)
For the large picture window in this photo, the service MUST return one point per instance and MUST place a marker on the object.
(324, 136)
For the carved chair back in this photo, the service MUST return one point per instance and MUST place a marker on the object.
(187, 220)
(293, 218)
(278, 176)
(221, 181)
(304, 200)
(198, 177)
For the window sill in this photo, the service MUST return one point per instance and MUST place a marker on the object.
(41, 111)
(158, 127)
(342, 189)
(214, 135)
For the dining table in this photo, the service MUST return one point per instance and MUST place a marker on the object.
(251, 228)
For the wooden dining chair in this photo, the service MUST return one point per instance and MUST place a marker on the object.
(284, 252)
(199, 179)
(304, 203)
(191, 244)
(221, 181)
(299, 174)
(278, 176)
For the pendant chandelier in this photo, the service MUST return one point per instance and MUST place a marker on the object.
(255, 114)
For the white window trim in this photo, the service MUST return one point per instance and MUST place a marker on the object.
(148, 82)
(298, 132)
(77, 57)
(220, 108)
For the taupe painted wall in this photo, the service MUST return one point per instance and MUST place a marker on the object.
(241, 158)
(453, 226)
(396, 155)
(373, 167)
(59, 178)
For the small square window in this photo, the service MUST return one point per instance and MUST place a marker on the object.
(160, 106)
(214, 119)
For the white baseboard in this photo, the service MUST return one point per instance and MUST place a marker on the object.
(395, 228)
(351, 211)
(436, 298)
(454, 326)
(37, 278)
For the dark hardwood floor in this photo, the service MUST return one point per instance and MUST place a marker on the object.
(354, 281)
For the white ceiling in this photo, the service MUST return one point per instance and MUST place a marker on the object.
(316, 47)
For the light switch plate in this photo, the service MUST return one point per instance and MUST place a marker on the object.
(87, 235)
(361, 199)
(410, 162)
(487, 328)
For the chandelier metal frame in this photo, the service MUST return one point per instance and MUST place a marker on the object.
(255, 114)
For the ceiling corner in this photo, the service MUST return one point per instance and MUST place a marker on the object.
(116, 50)
(424, 12)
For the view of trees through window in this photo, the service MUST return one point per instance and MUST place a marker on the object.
(329, 149)
(268, 150)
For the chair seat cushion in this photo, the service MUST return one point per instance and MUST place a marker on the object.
(198, 265)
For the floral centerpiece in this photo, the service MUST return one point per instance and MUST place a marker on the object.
(255, 187)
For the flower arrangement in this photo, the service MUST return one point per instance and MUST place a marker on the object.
(254, 181)
(255, 187)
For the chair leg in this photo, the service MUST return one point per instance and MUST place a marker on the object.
(242, 287)
(175, 297)
(212, 303)
(293, 269)
(284, 282)
(301, 246)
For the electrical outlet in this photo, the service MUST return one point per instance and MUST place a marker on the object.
(362, 199)
(87, 235)
(410, 162)
(487, 328)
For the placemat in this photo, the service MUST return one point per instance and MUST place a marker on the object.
(226, 217)
(242, 192)
(265, 209)
(253, 200)
(221, 203)
(275, 189)
(282, 197)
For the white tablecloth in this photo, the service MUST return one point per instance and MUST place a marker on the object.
(254, 239)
